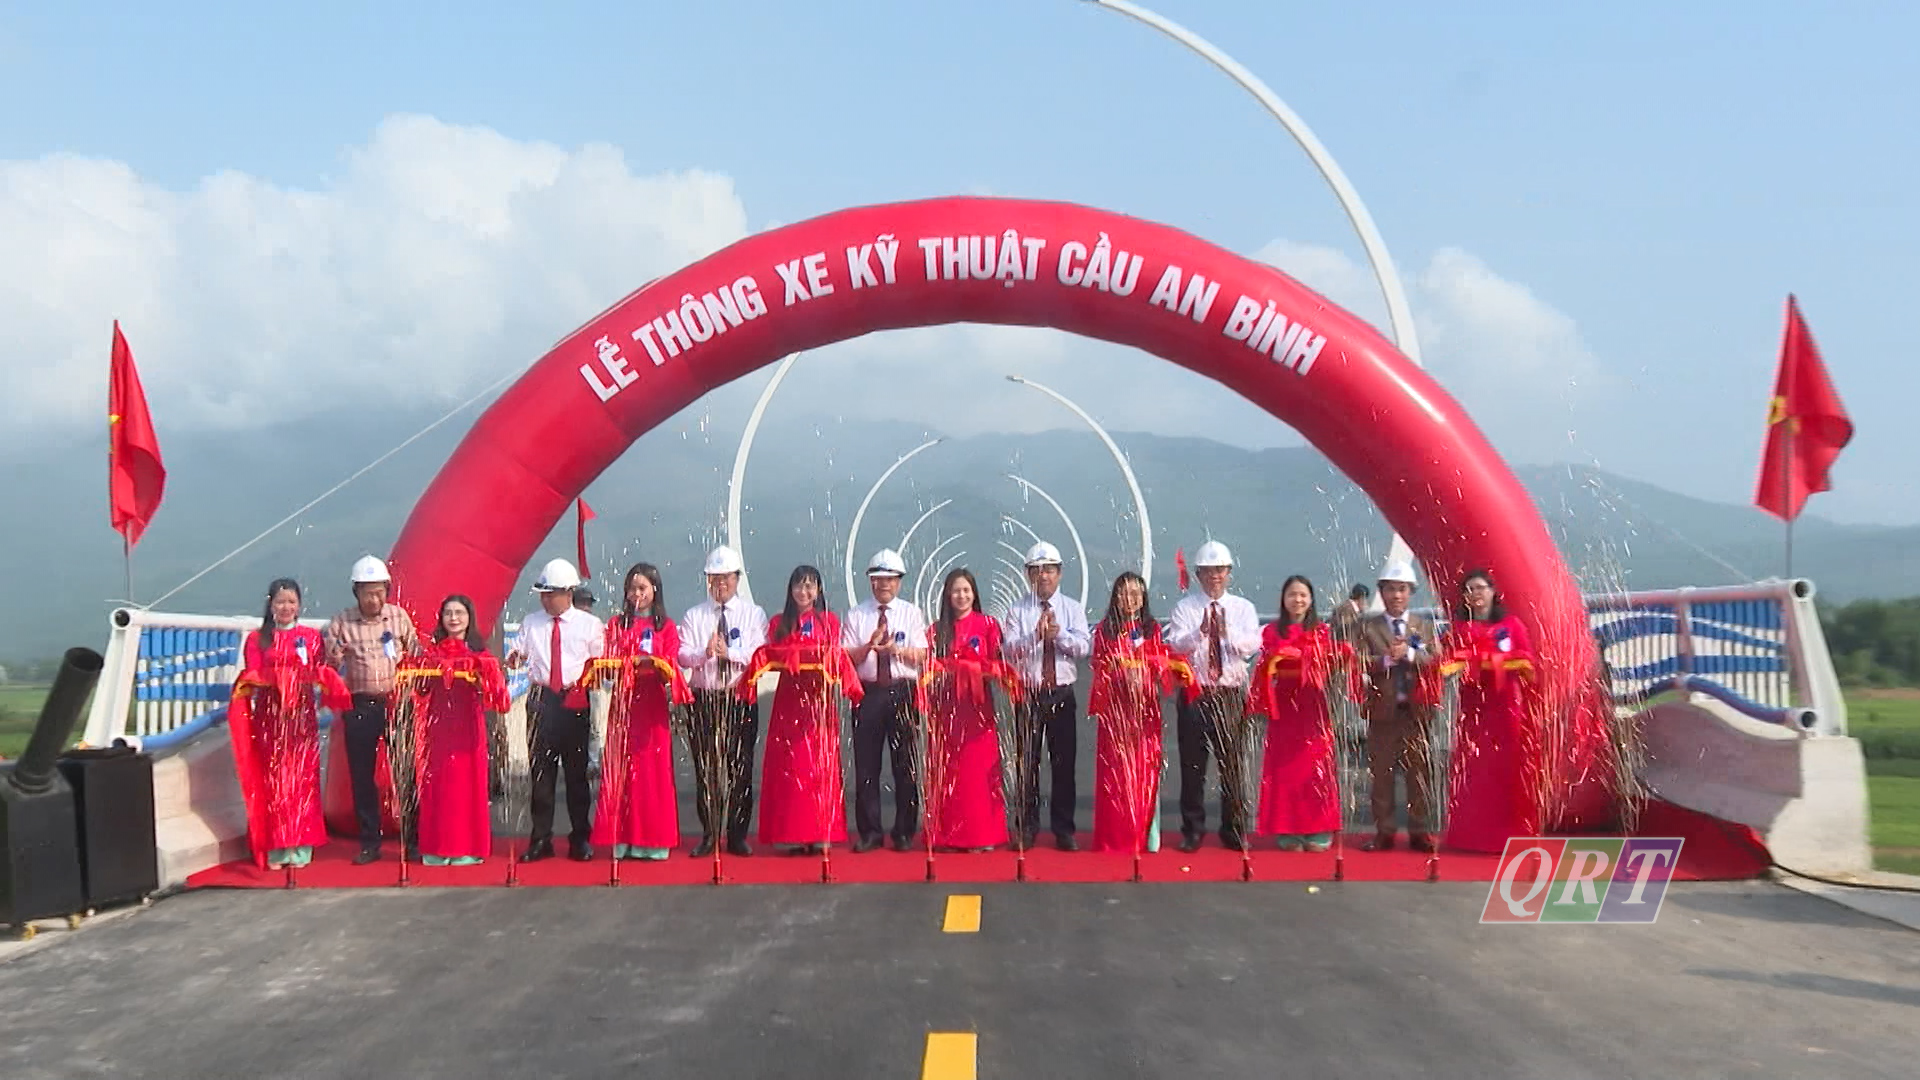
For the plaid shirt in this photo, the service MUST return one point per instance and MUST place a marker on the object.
(359, 647)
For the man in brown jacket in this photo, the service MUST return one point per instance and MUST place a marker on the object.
(1393, 645)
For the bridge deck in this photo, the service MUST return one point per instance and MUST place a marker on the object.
(1364, 979)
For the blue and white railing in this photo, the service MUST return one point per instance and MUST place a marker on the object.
(169, 676)
(1758, 649)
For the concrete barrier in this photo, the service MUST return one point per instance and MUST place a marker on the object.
(1806, 795)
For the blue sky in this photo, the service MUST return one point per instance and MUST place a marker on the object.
(1648, 181)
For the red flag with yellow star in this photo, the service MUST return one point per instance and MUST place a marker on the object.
(136, 478)
(1806, 425)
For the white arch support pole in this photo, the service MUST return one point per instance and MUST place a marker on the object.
(1399, 313)
(738, 480)
(920, 579)
(1126, 470)
(853, 533)
(907, 537)
(929, 606)
(1080, 549)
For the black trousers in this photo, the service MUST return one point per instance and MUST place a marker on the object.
(366, 725)
(885, 720)
(1049, 716)
(557, 739)
(1215, 723)
(722, 738)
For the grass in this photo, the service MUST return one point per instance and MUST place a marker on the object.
(19, 708)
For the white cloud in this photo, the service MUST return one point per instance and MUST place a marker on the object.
(1517, 364)
(441, 258)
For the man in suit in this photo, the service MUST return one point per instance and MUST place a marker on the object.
(1346, 618)
(1394, 645)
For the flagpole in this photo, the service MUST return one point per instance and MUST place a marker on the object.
(1786, 452)
(126, 555)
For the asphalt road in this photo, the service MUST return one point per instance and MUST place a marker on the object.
(1109, 981)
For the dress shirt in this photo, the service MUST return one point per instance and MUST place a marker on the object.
(1026, 650)
(904, 621)
(746, 632)
(1239, 639)
(582, 637)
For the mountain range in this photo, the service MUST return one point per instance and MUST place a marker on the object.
(1283, 511)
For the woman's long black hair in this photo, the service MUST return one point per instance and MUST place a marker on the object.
(473, 639)
(1496, 612)
(266, 615)
(658, 612)
(943, 630)
(789, 620)
(1114, 623)
(1312, 618)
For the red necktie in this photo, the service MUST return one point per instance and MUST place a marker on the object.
(1216, 661)
(1047, 678)
(554, 681)
(882, 662)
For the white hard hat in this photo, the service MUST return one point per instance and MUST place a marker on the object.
(886, 563)
(1397, 570)
(368, 570)
(557, 576)
(724, 560)
(1043, 554)
(1213, 553)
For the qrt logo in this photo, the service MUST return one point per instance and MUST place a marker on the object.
(1574, 879)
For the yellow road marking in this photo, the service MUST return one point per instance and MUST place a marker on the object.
(950, 1055)
(963, 916)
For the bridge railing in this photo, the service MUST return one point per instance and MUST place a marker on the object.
(1759, 648)
(169, 675)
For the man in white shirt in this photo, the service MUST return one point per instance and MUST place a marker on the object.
(718, 638)
(556, 643)
(1395, 645)
(1046, 637)
(885, 638)
(1219, 633)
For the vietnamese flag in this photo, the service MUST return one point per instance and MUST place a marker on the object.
(1806, 425)
(136, 478)
(585, 514)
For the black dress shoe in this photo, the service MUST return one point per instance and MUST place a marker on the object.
(740, 849)
(1233, 842)
(368, 853)
(1066, 842)
(1380, 842)
(1189, 844)
(865, 844)
(539, 849)
(903, 843)
(702, 849)
(1422, 843)
(580, 852)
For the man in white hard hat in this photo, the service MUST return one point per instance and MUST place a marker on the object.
(717, 639)
(1219, 633)
(366, 642)
(1046, 637)
(885, 638)
(1394, 644)
(556, 643)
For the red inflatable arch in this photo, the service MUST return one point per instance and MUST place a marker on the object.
(1379, 419)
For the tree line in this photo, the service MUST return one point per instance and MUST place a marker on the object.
(1875, 642)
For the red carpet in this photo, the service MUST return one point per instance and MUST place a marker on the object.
(1714, 851)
